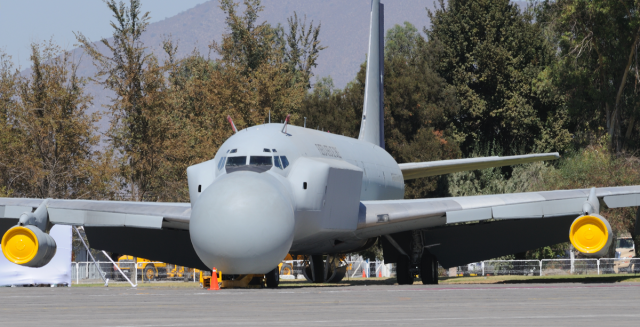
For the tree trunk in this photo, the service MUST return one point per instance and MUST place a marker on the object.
(612, 127)
(632, 122)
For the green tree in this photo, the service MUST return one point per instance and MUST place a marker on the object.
(336, 111)
(417, 103)
(493, 54)
(303, 47)
(137, 79)
(596, 68)
(47, 138)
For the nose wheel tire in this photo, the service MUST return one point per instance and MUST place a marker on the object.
(273, 278)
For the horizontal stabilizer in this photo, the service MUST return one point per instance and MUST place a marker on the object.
(442, 167)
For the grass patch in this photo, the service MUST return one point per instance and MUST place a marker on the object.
(181, 285)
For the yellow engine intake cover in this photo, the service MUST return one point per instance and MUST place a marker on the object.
(588, 234)
(19, 245)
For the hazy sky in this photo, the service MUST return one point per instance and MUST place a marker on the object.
(26, 21)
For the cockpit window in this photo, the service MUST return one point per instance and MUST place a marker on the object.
(276, 161)
(260, 161)
(266, 150)
(236, 161)
(285, 162)
(221, 162)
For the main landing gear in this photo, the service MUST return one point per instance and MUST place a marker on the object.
(417, 261)
(427, 269)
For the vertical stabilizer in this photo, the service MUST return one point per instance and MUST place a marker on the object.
(372, 127)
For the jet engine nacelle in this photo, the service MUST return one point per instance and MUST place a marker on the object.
(591, 235)
(28, 246)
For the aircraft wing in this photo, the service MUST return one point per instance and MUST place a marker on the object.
(460, 230)
(152, 230)
(90, 213)
(442, 167)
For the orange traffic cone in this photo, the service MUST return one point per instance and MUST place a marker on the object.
(213, 285)
(380, 273)
(364, 275)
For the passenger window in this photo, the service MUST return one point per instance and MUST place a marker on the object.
(236, 161)
(276, 161)
(260, 161)
(285, 162)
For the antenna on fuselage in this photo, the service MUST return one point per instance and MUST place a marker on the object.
(269, 116)
(305, 122)
(372, 126)
(233, 126)
(284, 128)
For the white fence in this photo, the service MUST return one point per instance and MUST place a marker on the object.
(87, 272)
(549, 267)
(293, 269)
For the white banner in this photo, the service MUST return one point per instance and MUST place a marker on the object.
(58, 271)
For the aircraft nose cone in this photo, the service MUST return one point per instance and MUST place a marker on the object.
(243, 223)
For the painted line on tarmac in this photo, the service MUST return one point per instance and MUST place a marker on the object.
(509, 288)
(400, 320)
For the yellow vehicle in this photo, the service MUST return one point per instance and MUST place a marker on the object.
(286, 268)
(150, 270)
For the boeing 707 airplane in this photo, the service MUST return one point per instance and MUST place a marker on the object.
(275, 189)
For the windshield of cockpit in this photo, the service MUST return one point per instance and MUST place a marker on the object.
(260, 162)
(625, 243)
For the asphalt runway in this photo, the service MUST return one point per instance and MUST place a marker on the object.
(417, 305)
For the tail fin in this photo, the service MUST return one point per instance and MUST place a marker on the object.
(372, 127)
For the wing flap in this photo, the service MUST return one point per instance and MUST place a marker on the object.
(620, 201)
(442, 167)
(103, 219)
(14, 211)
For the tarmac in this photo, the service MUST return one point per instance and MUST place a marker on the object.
(575, 304)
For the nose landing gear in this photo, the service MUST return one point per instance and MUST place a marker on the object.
(273, 278)
(316, 270)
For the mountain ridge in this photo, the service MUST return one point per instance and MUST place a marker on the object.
(344, 30)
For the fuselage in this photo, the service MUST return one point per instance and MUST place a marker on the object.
(320, 179)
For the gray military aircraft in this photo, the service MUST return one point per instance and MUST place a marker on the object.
(275, 189)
